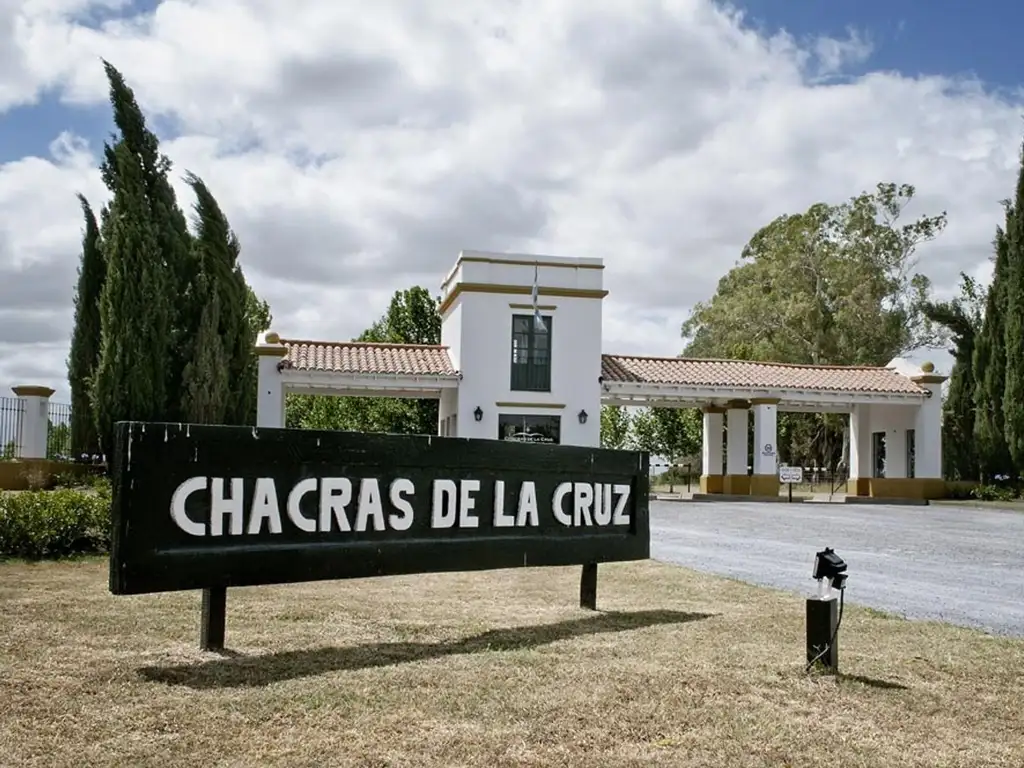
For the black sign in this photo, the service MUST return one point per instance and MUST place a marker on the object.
(209, 506)
(529, 428)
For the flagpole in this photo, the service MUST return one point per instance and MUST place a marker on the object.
(538, 321)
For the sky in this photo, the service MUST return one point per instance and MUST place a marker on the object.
(357, 148)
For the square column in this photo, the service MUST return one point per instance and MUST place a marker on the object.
(737, 422)
(765, 480)
(270, 393)
(928, 434)
(35, 421)
(859, 482)
(711, 480)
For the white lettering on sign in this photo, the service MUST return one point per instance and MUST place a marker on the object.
(593, 504)
(178, 514)
(335, 495)
(328, 504)
(527, 513)
(401, 518)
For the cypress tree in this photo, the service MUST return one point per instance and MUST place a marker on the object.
(146, 245)
(1013, 396)
(85, 338)
(990, 371)
(205, 378)
(131, 377)
(962, 317)
(170, 228)
(216, 249)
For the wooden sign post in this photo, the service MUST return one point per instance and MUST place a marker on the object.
(212, 507)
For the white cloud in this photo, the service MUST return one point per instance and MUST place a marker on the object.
(357, 147)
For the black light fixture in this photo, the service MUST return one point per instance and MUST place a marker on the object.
(829, 570)
(583, 417)
(823, 618)
(478, 414)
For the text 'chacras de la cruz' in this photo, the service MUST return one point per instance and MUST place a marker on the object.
(328, 504)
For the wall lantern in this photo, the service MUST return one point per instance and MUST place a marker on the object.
(583, 417)
(478, 414)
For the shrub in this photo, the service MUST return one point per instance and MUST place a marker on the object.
(994, 493)
(52, 524)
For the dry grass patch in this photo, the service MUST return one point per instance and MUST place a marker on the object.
(492, 669)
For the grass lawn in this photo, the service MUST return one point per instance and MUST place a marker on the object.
(488, 669)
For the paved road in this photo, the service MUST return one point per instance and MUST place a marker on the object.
(959, 565)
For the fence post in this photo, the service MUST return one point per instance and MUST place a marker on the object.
(35, 423)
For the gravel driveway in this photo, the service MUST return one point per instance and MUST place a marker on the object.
(954, 564)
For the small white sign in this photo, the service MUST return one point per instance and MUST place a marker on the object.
(791, 474)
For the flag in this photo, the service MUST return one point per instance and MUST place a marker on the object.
(538, 321)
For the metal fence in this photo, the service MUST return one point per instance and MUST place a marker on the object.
(11, 409)
(58, 440)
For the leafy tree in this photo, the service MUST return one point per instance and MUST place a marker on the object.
(1013, 395)
(411, 318)
(670, 432)
(962, 317)
(833, 285)
(616, 427)
(85, 338)
(989, 364)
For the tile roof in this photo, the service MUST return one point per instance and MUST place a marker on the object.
(363, 357)
(741, 374)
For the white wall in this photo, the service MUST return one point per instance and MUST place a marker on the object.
(477, 328)
(894, 420)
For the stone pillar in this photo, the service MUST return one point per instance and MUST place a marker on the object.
(928, 435)
(765, 480)
(859, 483)
(270, 395)
(737, 422)
(711, 470)
(35, 420)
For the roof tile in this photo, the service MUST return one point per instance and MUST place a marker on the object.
(364, 357)
(742, 374)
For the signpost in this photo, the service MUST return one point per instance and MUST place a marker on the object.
(211, 507)
(790, 475)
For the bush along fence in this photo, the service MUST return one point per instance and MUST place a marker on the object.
(57, 523)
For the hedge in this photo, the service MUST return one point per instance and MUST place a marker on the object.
(52, 524)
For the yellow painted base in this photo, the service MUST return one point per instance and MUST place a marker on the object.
(764, 485)
(711, 484)
(736, 485)
(897, 487)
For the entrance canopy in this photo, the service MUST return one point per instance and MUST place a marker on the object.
(424, 371)
(681, 383)
(364, 369)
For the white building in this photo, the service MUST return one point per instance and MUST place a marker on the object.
(500, 376)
